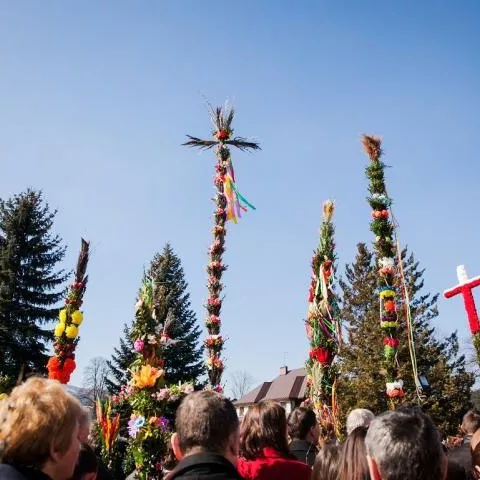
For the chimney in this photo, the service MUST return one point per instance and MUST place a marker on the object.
(283, 370)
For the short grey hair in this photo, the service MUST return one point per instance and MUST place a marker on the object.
(405, 444)
(359, 417)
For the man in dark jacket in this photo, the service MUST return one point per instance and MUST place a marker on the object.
(304, 431)
(206, 441)
(461, 454)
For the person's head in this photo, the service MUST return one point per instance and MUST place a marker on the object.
(84, 423)
(87, 464)
(475, 450)
(302, 424)
(39, 428)
(353, 463)
(470, 423)
(326, 466)
(404, 444)
(264, 425)
(359, 417)
(206, 422)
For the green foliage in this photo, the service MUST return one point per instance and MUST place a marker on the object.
(119, 363)
(30, 283)
(362, 381)
(183, 359)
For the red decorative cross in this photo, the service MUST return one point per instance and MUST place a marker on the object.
(465, 287)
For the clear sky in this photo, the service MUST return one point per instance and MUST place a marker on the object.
(96, 98)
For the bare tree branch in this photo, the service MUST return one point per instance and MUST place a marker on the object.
(94, 380)
(240, 383)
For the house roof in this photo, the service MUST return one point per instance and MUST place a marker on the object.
(290, 386)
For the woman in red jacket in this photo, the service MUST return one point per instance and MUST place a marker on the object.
(264, 453)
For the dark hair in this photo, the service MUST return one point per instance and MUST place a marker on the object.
(87, 462)
(353, 463)
(205, 420)
(300, 421)
(475, 460)
(326, 466)
(264, 425)
(471, 422)
(405, 444)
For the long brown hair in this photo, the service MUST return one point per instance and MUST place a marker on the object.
(353, 463)
(264, 425)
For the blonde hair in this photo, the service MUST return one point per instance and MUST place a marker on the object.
(39, 415)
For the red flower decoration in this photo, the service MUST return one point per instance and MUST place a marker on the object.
(391, 342)
(222, 135)
(389, 306)
(322, 355)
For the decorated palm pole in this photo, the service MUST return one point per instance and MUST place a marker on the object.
(152, 401)
(323, 327)
(62, 364)
(229, 204)
(383, 229)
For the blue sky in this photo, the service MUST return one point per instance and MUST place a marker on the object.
(96, 99)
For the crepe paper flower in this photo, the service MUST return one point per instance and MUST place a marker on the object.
(77, 317)
(152, 339)
(386, 262)
(322, 355)
(147, 376)
(389, 306)
(135, 424)
(187, 388)
(163, 394)
(71, 331)
(214, 319)
(395, 389)
(392, 342)
(387, 293)
(62, 316)
(138, 345)
(59, 329)
(387, 325)
(214, 362)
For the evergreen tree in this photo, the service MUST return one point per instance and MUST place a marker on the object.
(120, 362)
(362, 381)
(183, 359)
(30, 284)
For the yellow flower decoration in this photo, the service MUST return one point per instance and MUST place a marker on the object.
(146, 377)
(59, 329)
(62, 316)
(77, 317)
(3, 396)
(71, 331)
(387, 293)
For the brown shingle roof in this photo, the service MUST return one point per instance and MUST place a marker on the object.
(285, 387)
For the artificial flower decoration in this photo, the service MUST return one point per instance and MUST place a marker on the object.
(62, 364)
(77, 317)
(71, 331)
(59, 329)
(383, 230)
(146, 376)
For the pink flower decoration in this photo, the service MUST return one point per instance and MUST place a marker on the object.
(138, 345)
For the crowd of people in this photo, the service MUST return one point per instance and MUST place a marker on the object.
(44, 434)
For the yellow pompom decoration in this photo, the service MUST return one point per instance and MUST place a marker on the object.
(62, 316)
(71, 331)
(77, 317)
(59, 329)
(387, 293)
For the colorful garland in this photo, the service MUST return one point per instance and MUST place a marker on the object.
(229, 206)
(383, 229)
(323, 326)
(62, 364)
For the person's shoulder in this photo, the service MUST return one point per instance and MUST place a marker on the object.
(7, 472)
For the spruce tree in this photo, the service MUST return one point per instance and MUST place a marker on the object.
(120, 362)
(30, 283)
(183, 359)
(362, 381)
